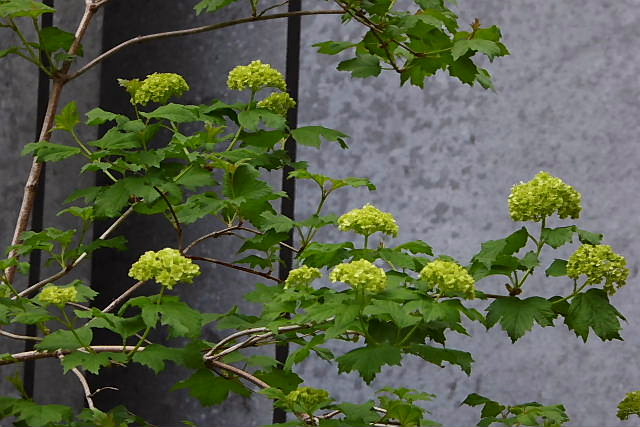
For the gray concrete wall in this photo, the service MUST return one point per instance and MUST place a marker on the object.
(444, 160)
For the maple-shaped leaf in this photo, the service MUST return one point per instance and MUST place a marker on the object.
(516, 316)
(592, 310)
(369, 360)
(209, 388)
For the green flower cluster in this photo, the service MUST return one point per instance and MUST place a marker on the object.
(279, 103)
(301, 278)
(543, 196)
(255, 76)
(157, 87)
(630, 405)
(308, 399)
(599, 263)
(369, 220)
(451, 278)
(58, 295)
(167, 266)
(361, 274)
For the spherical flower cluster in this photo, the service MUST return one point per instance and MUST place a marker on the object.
(255, 76)
(361, 274)
(368, 220)
(599, 263)
(157, 87)
(167, 266)
(308, 398)
(543, 196)
(629, 406)
(279, 103)
(301, 278)
(58, 295)
(450, 278)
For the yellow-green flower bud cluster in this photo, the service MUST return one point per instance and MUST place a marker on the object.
(301, 278)
(157, 87)
(166, 266)
(308, 398)
(279, 103)
(543, 196)
(450, 278)
(361, 274)
(368, 220)
(630, 405)
(58, 295)
(599, 263)
(255, 76)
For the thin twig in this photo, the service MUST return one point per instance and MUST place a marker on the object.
(19, 337)
(239, 372)
(84, 383)
(236, 267)
(195, 30)
(212, 235)
(175, 217)
(258, 232)
(34, 355)
(33, 288)
(116, 302)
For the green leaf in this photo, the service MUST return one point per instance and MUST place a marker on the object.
(35, 415)
(489, 48)
(516, 316)
(177, 113)
(393, 310)
(362, 66)
(358, 415)
(491, 408)
(154, 356)
(587, 237)
(465, 70)
(417, 247)
(111, 200)
(332, 47)
(530, 260)
(369, 360)
(277, 223)
(557, 268)
(325, 254)
(492, 249)
(196, 176)
(310, 136)
(438, 355)
(66, 339)
(19, 8)
(211, 5)
(50, 152)
(251, 119)
(556, 237)
(397, 259)
(209, 388)
(6, 52)
(92, 362)
(286, 381)
(198, 206)
(98, 116)
(53, 38)
(592, 310)
(68, 118)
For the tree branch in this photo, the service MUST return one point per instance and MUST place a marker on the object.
(236, 267)
(195, 30)
(239, 372)
(34, 355)
(212, 235)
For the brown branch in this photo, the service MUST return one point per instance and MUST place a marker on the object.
(34, 355)
(175, 217)
(31, 186)
(258, 232)
(236, 267)
(83, 382)
(195, 30)
(19, 337)
(212, 235)
(60, 274)
(116, 302)
(239, 372)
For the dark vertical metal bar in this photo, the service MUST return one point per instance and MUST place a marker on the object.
(29, 367)
(289, 185)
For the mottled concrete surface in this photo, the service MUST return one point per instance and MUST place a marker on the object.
(444, 160)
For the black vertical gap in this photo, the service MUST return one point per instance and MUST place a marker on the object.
(289, 184)
(29, 367)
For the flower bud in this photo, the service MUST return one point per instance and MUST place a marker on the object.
(368, 220)
(255, 76)
(450, 278)
(543, 196)
(361, 274)
(166, 266)
(600, 264)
